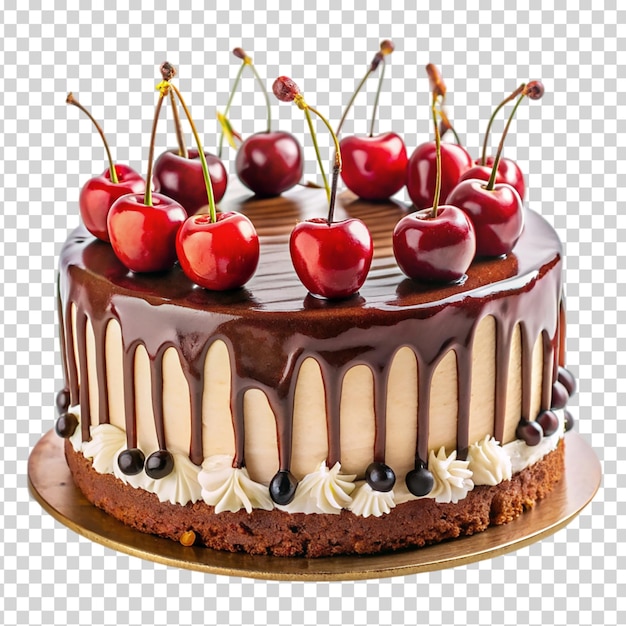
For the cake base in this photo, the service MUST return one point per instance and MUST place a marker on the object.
(275, 533)
(51, 484)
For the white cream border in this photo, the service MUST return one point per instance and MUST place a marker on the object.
(520, 455)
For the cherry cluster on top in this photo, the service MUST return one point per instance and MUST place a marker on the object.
(464, 209)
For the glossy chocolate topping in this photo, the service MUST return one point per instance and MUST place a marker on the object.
(272, 325)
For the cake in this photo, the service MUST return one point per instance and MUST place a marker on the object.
(270, 421)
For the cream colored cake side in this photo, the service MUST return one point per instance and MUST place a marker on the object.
(310, 444)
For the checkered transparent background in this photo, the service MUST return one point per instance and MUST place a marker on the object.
(571, 144)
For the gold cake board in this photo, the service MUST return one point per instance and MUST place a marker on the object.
(51, 484)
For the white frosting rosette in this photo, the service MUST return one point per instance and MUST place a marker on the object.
(229, 488)
(453, 479)
(367, 501)
(489, 463)
(324, 491)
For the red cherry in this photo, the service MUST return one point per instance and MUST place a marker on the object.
(143, 237)
(480, 172)
(374, 168)
(182, 178)
(99, 193)
(508, 172)
(422, 172)
(331, 259)
(218, 255)
(438, 249)
(497, 215)
(269, 163)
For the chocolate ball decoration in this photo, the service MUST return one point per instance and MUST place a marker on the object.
(420, 481)
(380, 477)
(567, 379)
(66, 425)
(559, 396)
(570, 422)
(131, 461)
(63, 400)
(530, 432)
(159, 464)
(283, 487)
(548, 421)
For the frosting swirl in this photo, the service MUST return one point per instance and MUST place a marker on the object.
(229, 488)
(453, 479)
(324, 491)
(368, 501)
(180, 486)
(489, 463)
(106, 442)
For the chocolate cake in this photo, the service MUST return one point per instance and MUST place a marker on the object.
(267, 420)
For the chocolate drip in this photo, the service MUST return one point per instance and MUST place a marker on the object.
(561, 337)
(464, 394)
(333, 382)
(380, 413)
(83, 396)
(195, 443)
(236, 407)
(284, 432)
(272, 326)
(130, 415)
(527, 371)
(549, 368)
(156, 387)
(504, 335)
(424, 381)
(62, 336)
(101, 374)
(72, 368)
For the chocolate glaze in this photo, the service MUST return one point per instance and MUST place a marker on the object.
(271, 326)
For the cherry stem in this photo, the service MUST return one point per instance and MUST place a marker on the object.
(386, 48)
(263, 90)
(228, 104)
(445, 122)
(331, 194)
(317, 152)
(496, 162)
(239, 53)
(71, 100)
(182, 148)
(438, 154)
(483, 158)
(380, 84)
(205, 167)
(352, 99)
(147, 199)
(287, 91)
